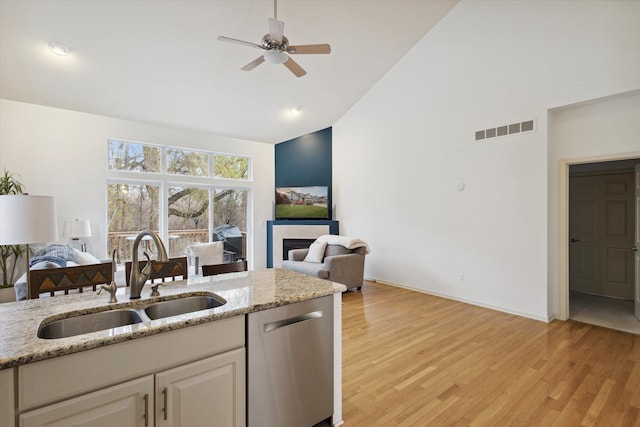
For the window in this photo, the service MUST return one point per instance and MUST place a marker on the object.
(232, 167)
(185, 162)
(187, 218)
(230, 207)
(130, 209)
(129, 156)
(181, 193)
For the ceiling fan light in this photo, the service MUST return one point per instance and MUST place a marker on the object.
(275, 56)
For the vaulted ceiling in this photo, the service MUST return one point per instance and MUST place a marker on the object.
(159, 61)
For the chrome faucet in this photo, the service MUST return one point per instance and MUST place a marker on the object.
(138, 278)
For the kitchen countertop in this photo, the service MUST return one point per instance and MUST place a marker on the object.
(245, 292)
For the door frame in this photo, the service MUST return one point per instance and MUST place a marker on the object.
(563, 229)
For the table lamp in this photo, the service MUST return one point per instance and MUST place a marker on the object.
(26, 219)
(75, 230)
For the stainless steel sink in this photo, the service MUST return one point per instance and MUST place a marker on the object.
(92, 322)
(184, 305)
(86, 323)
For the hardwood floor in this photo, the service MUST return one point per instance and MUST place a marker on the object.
(411, 359)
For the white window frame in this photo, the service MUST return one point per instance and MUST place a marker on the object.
(164, 180)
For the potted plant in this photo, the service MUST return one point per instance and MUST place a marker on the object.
(9, 254)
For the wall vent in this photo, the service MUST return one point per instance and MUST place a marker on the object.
(504, 130)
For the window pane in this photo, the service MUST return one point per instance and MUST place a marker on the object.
(233, 167)
(185, 162)
(188, 218)
(131, 208)
(229, 212)
(129, 156)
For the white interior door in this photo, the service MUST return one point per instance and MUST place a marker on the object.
(636, 246)
(601, 231)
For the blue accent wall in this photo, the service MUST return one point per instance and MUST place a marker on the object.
(305, 161)
(302, 162)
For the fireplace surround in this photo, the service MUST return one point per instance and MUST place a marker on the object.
(280, 230)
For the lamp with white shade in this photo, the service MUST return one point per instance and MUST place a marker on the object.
(76, 230)
(26, 219)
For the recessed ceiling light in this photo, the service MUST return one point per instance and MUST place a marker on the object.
(293, 112)
(58, 49)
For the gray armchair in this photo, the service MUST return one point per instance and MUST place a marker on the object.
(340, 265)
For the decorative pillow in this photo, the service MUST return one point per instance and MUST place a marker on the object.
(85, 258)
(316, 252)
(208, 253)
(62, 251)
(55, 261)
(43, 265)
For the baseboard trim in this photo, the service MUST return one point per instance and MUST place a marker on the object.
(464, 300)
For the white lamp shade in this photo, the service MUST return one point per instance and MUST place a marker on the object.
(27, 219)
(77, 228)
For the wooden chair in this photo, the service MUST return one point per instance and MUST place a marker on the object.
(232, 267)
(175, 267)
(68, 278)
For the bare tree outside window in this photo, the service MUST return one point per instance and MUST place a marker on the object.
(188, 218)
(131, 208)
(130, 156)
(134, 206)
(230, 207)
(185, 162)
(231, 167)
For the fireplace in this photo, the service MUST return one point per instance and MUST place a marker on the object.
(288, 244)
(295, 231)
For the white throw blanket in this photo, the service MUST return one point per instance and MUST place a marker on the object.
(346, 241)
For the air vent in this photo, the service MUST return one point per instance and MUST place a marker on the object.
(504, 130)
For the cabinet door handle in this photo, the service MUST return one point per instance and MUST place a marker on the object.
(146, 410)
(165, 410)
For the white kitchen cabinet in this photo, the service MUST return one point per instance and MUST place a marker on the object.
(114, 385)
(7, 398)
(206, 392)
(127, 404)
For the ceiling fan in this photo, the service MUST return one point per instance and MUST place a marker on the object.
(276, 47)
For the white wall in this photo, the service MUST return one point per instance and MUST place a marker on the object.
(63, 153)
(400, 152)
(602, 129)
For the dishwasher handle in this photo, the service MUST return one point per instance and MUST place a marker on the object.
(271, 326)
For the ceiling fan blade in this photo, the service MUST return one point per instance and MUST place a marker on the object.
(276, 30)
(309, 48)
(253, 64)
(236, 41)
(294, 68)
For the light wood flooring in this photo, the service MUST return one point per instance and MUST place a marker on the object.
(411, 359)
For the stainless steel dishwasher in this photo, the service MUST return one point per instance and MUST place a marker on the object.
(290, 364)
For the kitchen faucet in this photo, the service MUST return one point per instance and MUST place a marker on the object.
(112, 288)
(138, 278)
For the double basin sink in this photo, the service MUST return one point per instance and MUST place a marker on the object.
(93, 322)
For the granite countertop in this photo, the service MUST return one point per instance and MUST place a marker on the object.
(244, 292)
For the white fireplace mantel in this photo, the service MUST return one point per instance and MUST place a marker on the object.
(277, 231)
